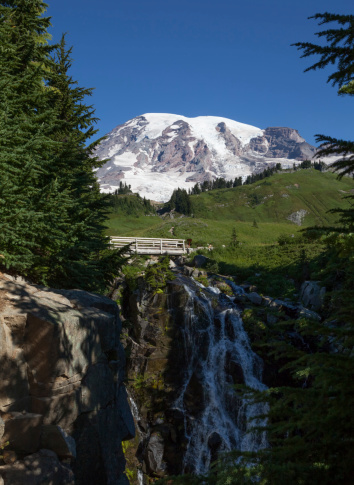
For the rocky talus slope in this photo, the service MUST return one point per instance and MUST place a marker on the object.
(63, 405)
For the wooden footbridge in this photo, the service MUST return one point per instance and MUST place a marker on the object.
(149, 245)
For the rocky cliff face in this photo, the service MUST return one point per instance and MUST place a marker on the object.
(156, 153)
(186, 348)
(63, 404)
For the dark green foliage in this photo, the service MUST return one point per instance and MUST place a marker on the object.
(338, 50)
(195, 190)
(321, 166)
(268, 172)
(255, 199)
(51, 211)
(131, 205)
(234, 242)
(221, 183)
(180, 202)
(237, 182)
(333, 146)
(311, 424)
(28, 194)
(157, 275)
(123, 189)
(305, 164)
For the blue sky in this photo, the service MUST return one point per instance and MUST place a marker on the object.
(202, 57)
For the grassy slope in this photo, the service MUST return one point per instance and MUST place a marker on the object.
(123, 225)
(216, 213)
(279, 196)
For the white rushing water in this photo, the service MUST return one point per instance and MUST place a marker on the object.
(137, 418)
(216, 355)
(217, 348)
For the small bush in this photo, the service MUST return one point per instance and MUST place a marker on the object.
(212, 266)
(157, 275)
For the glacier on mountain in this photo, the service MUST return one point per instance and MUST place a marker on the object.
(157, 152)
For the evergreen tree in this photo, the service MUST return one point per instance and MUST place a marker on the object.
(124, 189)
(196, 189)
(180, 201)
(28, 195)
(237, 182)
(338, 50)
(51, 211)
(234, 242)
(306, 164)
(82, 259)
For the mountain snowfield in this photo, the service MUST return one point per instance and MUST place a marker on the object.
(157, 152)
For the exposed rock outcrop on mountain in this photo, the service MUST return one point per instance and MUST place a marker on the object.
(155, 153)
(62, 395)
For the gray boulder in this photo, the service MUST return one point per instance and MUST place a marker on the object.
(54, 438)
(187, 270)
(312, 295)
(254, 298)
(306, 313)
(2, 429)
(23, 431)
(297, 217)
(154, 454)
(42, 468)
(199, 260)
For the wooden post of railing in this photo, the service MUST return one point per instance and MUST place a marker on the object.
(184, 250)
(161, 246)
(136, 245)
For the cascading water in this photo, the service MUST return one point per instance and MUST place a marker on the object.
(135, 412)
(200, 350)
(218, 354)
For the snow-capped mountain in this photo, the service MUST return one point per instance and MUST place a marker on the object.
(155, 153)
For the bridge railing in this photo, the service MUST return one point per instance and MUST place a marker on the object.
(148, 245)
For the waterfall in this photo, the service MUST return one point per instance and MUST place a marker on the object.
(137, 418)
(205, 414)
(218, 355)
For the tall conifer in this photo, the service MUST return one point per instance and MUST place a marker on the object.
(26, 124)
(51, 210)
(338, 51)
(83, 259)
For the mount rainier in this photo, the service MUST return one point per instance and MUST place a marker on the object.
(155, 153)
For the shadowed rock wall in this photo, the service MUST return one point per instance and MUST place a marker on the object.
(63, 404)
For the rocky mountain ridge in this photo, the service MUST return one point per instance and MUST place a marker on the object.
(155, 153)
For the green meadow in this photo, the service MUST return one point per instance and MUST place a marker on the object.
(258, 212)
